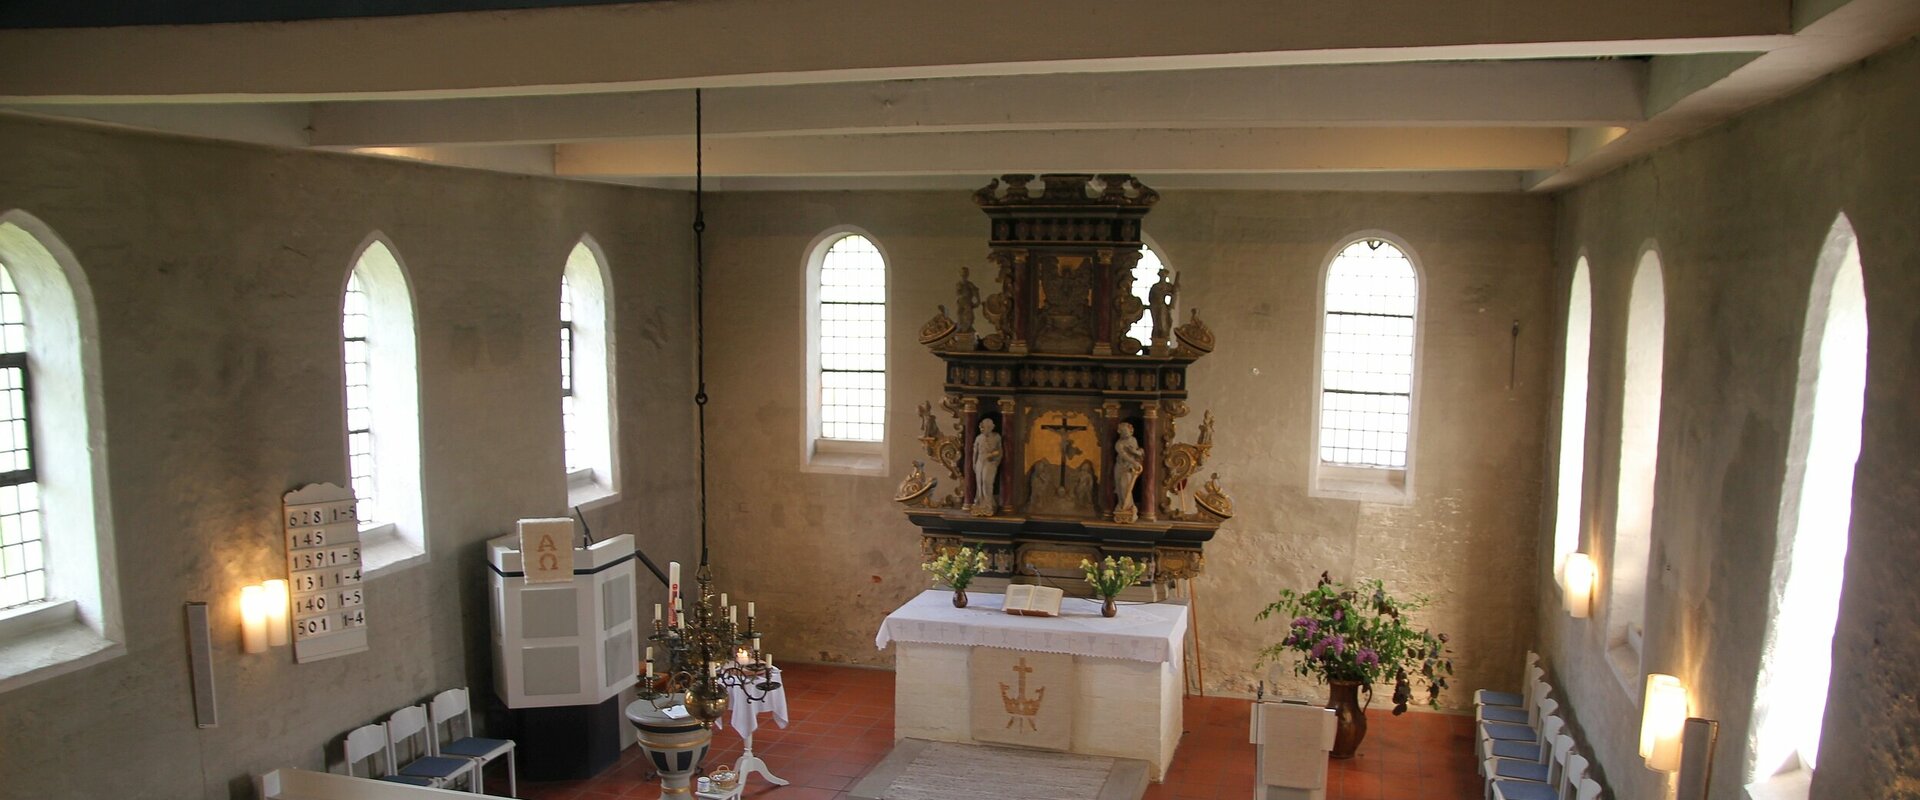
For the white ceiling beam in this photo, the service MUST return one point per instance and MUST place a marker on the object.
(1843, 35)
(1424, 182)
(283, 124)
(1140, 151)
(714, 43)
(1518, 93)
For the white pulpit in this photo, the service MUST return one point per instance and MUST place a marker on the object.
(1117, 682)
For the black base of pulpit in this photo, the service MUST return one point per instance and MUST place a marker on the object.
(567, 743)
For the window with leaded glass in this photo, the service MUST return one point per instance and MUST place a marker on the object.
(852, 341)
(23, 552)
(1367, 356)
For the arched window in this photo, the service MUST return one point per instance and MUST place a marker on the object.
(381, 376)
(1639, 456)
(1146, 272)
(1369, 347)
(59, 607)
(587, 377)
(847, 353)
(1816, 507)
(1573, 418)
(23, 570)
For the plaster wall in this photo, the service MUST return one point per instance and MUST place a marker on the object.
(829, 555)
(217, 271)
(1738, 216)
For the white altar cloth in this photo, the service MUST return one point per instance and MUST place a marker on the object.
(1151, 632)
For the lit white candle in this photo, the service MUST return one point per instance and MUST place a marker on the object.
(673, 592)
(253, 619)
(277, 603)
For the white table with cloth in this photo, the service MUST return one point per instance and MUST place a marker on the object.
(979, 674)
(745, 718)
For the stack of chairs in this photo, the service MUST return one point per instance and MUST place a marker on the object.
(1525, 748)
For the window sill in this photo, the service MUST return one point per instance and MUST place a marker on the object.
(586, 493)
(1624, 660)
(1795, 785)
(48, 640)
(835, 457)
(1361, 483)
(383, 550)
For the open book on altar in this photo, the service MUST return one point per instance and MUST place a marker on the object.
(1033, 601)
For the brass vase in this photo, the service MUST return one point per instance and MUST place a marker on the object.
(1351, 717)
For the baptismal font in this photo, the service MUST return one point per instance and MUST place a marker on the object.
(1061, 442)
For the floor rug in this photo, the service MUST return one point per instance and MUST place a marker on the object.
(922, 770)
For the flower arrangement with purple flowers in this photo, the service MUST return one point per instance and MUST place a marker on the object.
(1359, 633)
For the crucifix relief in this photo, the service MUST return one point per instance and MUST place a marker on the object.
(1062, 462)
(1067, 450)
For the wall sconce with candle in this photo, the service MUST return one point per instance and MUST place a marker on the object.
(1663, 720)
(1578, 576)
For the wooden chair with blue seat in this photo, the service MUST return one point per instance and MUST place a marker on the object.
(1520, 699)
(415, 750)
(1551, 771)
(1519, 713)
(452, 710)
(368, 746)
(1522, 739)
(1532, 764)
(1563, 788)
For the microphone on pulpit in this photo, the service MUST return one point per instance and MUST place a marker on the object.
(584, 530)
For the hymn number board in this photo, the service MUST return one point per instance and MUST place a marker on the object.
(322, 533)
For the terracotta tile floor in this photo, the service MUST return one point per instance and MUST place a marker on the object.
(842, 724)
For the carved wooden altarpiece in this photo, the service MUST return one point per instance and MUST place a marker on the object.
(1052, 367)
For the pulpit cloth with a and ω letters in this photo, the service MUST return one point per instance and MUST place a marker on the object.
(1151, 632)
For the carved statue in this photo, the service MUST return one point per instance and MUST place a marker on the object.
(986, 468)
(936, 331)
(1160, 303)
(1195, 338)
(1214, 500)
(998, 307)
(1126, 306)
(1206, 428)
(968, 300)
(1127, 458)
(917, 486)
(929, 424)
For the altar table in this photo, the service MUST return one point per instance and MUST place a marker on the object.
(1126, 681)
